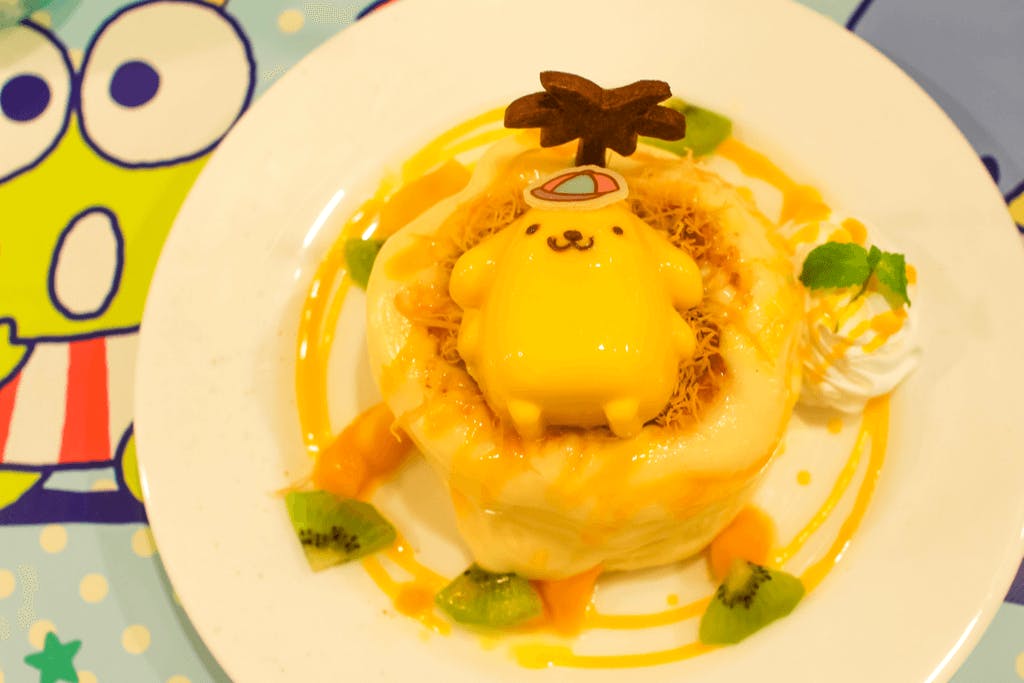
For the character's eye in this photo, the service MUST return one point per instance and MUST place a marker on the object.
(163, 82)
(617, 230)
(134, 84)
(532, 229)
(35, 95)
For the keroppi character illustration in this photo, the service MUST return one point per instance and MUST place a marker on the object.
(97, 151)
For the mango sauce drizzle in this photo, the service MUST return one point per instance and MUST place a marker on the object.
(330, 283)
(319, 320)
(413, 597)
(802, 204)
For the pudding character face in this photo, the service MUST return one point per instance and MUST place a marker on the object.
(571, 317)
(601, 233)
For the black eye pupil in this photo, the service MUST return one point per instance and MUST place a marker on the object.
(532, 229)
(24, 98)
(134, 84)
(617, 230)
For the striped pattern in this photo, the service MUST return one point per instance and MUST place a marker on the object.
(59, 410)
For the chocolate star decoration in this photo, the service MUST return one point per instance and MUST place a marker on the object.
(573, 107)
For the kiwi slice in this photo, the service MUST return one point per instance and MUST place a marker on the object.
(479, 598)
(750, 598)
(334, 530)
(705, 130)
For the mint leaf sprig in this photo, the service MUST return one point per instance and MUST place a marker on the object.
(845, 264)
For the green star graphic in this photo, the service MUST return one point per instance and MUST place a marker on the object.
(54, 662)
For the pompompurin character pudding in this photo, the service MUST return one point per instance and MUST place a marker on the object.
(572, 313)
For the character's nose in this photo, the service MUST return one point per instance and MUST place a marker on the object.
(573, 235)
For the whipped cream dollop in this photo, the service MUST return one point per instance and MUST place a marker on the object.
(856, 344)
(856, 349)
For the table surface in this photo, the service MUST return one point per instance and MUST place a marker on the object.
(76, 558)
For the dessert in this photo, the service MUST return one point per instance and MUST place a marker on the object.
(711, 346)
(599, 354)
(571, 315)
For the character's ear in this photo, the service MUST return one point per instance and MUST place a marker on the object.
(474, 271)
(679, 272)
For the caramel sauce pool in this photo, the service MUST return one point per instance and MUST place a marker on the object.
(412, 594)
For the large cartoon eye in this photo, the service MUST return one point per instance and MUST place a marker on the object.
(163, 82)
(35, 91)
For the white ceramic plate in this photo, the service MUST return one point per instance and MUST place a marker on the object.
(216, 416)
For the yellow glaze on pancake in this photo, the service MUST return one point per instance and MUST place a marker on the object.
(575, 498)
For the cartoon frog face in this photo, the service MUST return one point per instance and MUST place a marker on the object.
(95, 161)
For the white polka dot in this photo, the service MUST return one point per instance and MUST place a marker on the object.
(1020, 665)
(53, 538)
(142, 542)
(42, 18)
(135, 639)
(7, 583)
(104, 485)
(172, 679)
(93, 587)
(291, 21)
(37, 633)
(86, 677)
